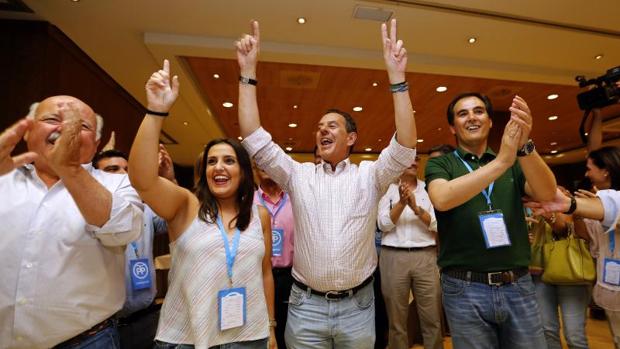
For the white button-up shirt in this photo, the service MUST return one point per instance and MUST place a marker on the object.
(409, 230)
(335, 211)
(60, 275)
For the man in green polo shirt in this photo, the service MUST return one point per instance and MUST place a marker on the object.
(484, 252)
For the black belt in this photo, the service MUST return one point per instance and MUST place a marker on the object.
(334, 295)
(135, 316)
(278, 270)
(408, 249)
(496, 278)
(86, 334)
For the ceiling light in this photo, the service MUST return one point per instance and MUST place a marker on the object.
(420, 140)
(368, 149)
(301, 20)
(439, 129)
(227, 105)
(585, 134)
(75, 0)
(379, 140)
(554, 151)
(472, 40)
(553, 143)
(553, 96)
(375, 84)
(358, 108)
(295, 106)
(185, 123)
(441, 89)
(553, 117)
(288, 148)
(292, 125)
(597, 57)
(216, 76)
(240, 138)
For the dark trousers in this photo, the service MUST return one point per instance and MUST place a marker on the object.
(137, 331)
(283, 281)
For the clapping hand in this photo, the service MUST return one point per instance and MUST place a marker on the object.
(65, 155)
(520, 113)
(8, 140)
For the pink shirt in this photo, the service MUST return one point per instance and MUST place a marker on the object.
(283, 220)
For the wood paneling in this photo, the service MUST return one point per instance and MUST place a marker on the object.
(344, 88)
(39, 61)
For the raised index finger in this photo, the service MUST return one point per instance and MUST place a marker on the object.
(166, 66)
(255, 30)
(384, 34)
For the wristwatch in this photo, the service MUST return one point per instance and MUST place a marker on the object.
(247, 81)
(527, 148)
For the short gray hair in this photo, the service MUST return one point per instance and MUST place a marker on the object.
(99, 118)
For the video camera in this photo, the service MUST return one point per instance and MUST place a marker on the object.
(605, 93)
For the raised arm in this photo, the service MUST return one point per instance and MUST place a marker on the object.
(395, 56)
(447, 194)
(162, 195)
(247, 56)
(540, 181)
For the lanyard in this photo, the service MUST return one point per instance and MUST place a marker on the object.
(277, 210)
(612, 241)
(230, 253)
(486, 194)
(135, 248)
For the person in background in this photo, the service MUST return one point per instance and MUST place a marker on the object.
(439, 150)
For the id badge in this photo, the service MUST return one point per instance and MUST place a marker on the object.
(232, 307)
(494, 228)
(277, 242)
(611, 271)
(140, 273)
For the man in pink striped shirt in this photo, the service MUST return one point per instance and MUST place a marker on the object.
(335, 206)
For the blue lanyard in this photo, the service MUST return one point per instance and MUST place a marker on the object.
(487, 194)
(277, 210)
(230, 253)
(135, 248)
(612, 241)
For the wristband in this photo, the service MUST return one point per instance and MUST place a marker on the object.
(573, 205)
(399, 87)
(157, 113)
(247, 81)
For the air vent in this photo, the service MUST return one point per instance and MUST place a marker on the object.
(372, 13)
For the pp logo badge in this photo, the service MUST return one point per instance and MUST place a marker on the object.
(140, 270)
(276, 237)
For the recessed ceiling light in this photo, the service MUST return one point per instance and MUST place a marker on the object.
(185, 123)
(240, 138)
(227, 105)
(585, 133)
(597, 57)
(553, 143)
(379, 140)
(375, 84)
(368, 149)
(553, 96)
(295, 106)
(216, 76)
(288, 148)
(358, 108)
(472, 40)
(553, 117)
(292, 125)
(75, 0)
(439, 129)
(290, 138)
(301, 20)
(420, 140)
(441, 89)
(554, 151)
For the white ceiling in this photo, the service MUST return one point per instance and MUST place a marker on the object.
(129, 39)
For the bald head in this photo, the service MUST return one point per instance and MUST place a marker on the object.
(61, 102)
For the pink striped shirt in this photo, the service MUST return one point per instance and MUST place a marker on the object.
(335, 211)
(283, 220)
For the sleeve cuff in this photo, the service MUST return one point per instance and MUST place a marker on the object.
(256, 141)
(400, 153)
(610, 200)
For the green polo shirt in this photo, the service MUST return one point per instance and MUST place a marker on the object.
(461, 240)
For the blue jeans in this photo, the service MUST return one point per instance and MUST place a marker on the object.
(573, 300)
(315, 322)
(104, 339)
(257, 344)
(488, 317)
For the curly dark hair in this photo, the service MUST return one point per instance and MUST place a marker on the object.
(245, 193)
